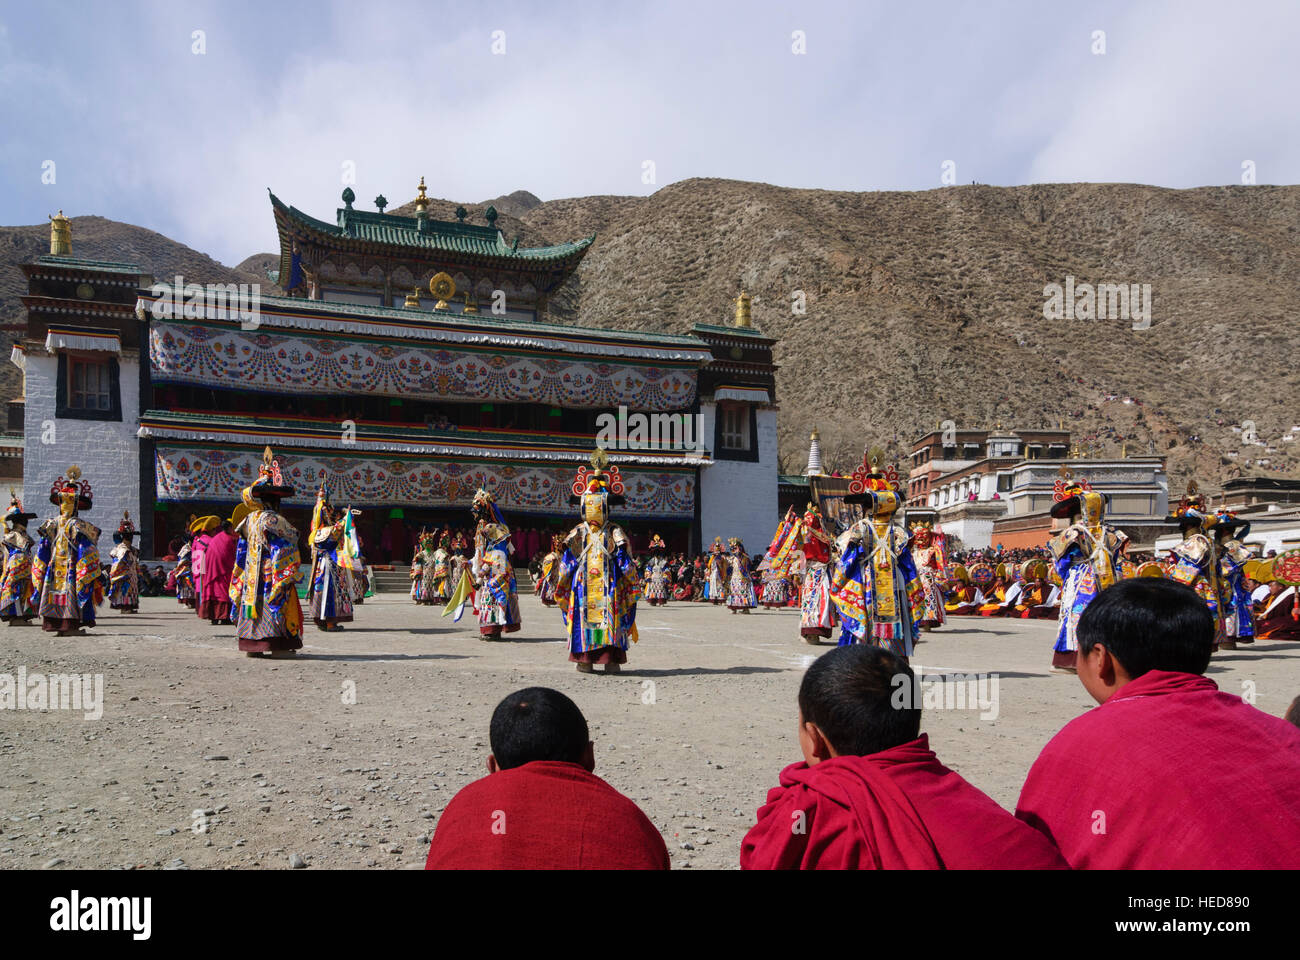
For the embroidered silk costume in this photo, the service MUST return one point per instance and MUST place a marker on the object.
(264, 582)
(928, 554)
(497, 597)
(1086, 555)
(124, 574)
(657, 574)
(18, 592)
(331, 592)
(875, 584)
(67, 565)
(597, 586)
(740, 585)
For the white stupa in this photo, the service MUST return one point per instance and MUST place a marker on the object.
(814, 468)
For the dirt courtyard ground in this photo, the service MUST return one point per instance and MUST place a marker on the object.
(206, 759)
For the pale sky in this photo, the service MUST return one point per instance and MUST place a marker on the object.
(142, 128)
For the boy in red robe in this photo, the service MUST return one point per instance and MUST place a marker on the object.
(1168, 773)
(541, 807)
(871, 794)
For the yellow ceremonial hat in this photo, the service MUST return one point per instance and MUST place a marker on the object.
(205, 524)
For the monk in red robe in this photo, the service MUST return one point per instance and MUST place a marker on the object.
(870, 793)
(1168, 773)
(541, 807)
(1275, 620)
(218, 564)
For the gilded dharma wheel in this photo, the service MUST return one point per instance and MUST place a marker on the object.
(443, 287)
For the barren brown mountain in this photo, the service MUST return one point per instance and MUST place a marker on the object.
(923, 307)
(96, 238)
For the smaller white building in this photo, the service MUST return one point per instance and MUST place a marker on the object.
(80, 359)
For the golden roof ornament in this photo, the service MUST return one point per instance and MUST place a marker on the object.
(743, 316)
(60, 236)
(422, 201)
(442, 286)
(471, 303)
(413, 298)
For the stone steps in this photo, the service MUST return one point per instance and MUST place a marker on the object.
(398, 580)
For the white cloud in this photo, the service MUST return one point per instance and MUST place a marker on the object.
(187, 145)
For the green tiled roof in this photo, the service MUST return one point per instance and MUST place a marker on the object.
(439, 235)
(793, 479)
(484, 322)
(731, 331)
(102, 266)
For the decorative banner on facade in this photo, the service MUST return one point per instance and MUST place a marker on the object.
(200, 473)
(261, 360)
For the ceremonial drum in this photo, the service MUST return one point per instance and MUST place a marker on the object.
(1152, 568)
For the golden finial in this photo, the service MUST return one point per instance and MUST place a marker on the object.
(815, 435)
(413, 298)
(471, 303)
(743, 318)
(599, 460)
(60, 236)
(421, 201)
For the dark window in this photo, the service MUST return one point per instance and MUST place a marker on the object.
(736, 432)
(88, 388)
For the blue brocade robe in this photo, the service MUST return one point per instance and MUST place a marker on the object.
(1237, 622)
(331, 590)
(606, 619)
(124, 578)
(1072, 549)
(264, 584)
(18, 594)
(875, 586)
(67, 571)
